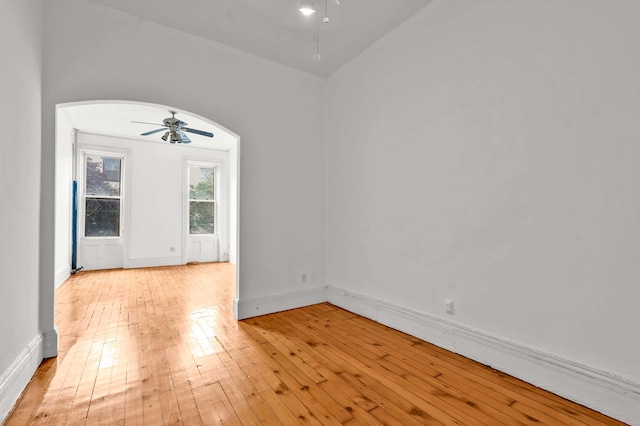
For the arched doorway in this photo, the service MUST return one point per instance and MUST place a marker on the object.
(152, 230)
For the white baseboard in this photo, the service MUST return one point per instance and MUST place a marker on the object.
(50, 343)
(599, 390)
(17, 376)
(61, 275)
(150, 262)
(248, 308)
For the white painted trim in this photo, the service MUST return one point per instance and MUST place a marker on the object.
(50, 343)
(234, 250)
(149, 262)
(83, 150)
(15, 378)
(61, 275)
(221, 200)
(248, 308)
(602, 391)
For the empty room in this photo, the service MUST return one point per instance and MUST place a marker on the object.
(324, 212)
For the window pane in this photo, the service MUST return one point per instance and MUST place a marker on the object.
(201, 183)
(102, 217)
(201, 216)
(103, 176)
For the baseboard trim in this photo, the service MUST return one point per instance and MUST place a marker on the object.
(50, 343)
(17, 376)
(256, 306)
(599, 390)
(61, 275)
(153, 261)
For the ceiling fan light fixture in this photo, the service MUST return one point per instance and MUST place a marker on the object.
(174, 130)
(307, 8)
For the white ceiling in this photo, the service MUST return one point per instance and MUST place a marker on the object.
(273, 29)
(276, 30)
(115, 119)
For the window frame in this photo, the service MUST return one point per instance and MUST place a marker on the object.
(85, 154)
(216, 191)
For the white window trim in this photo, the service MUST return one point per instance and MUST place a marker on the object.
(222, 200)
(216, 195)
(83, 154)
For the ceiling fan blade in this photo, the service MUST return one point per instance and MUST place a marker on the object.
(184, 137)
(144, 122)
(152, 132)
(198, 132)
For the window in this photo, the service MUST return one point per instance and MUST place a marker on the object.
(202, 205)
(102, 196)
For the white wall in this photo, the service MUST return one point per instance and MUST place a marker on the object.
(483, 151)
(488, 152)
(92, 52)
(63, 191)
(20, 92)
(154, 196)
(233, 203)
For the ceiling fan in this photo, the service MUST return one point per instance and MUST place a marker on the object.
(174, 129)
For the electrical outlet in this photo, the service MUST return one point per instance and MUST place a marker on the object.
(448, 305)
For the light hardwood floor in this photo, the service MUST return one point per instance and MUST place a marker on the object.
(160, 346)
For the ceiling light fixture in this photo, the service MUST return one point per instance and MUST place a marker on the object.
(326, 13)
(307, 8)
(316, 50)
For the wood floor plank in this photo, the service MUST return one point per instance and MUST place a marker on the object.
(334, 394)
(320, 404)
(332, 372)
(459, 367)
(350, 363)
(435, 403)
(160, 346)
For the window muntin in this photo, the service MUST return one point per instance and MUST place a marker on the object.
(202, 204)
(103, 196)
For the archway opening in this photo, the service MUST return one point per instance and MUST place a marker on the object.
(149, 178)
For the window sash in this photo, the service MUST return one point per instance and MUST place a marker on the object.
(103, 170)
(102, 217)
(103, 211)
(202, 220)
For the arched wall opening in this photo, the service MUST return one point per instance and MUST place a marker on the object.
(110, 127)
